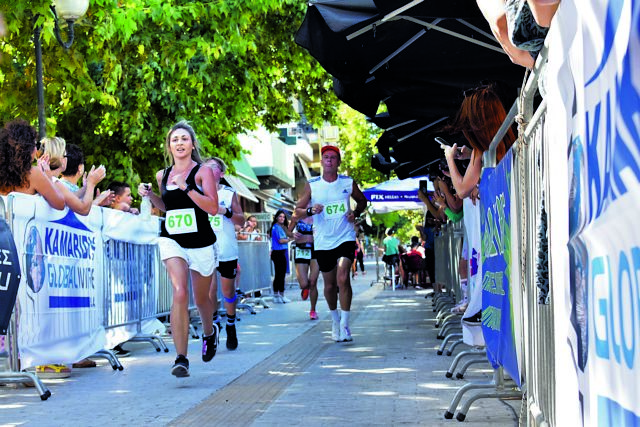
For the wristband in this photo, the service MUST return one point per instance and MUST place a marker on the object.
(228, 213)
(309, 211)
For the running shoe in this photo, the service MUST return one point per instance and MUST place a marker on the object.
(210, 344)
(475, 320)
(120, 352)
(304, 294)
(335, 331)
(284, 299)
(180, 368)
(313, 315)
(232, 337)
(277, 299)
(345, 334)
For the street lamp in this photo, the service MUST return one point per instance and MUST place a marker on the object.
(70, 11)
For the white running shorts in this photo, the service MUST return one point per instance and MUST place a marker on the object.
(203, 260)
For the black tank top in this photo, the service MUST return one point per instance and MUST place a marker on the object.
(178, 199)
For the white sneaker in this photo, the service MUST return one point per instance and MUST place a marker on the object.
(277, 299)
(284, 299)
(345, 334)
(335, 331)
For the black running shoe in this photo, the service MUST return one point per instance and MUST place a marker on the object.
(181, 367)
(475, 320)
(210, 344)
(232, 337)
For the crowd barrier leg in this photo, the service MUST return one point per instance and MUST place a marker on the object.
(243, 305)
(467, 364)
(451, 320)
(111, 358)
(256, 301)
(377, 279)
(446, 317)
(443, 305)
(453, 346)
(26, 378)
(500, 392)
(446, 341)
(471, 352)
(447, 330)
(156, 341)
(497, 383)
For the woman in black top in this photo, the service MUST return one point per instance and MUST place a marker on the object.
(188, 195)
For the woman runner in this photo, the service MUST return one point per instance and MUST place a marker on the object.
(188, 195)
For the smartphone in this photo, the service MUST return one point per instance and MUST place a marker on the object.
(441, 141)
(423, 186)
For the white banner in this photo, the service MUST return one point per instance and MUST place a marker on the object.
(59, 308)
(594, 105)
(130, 228)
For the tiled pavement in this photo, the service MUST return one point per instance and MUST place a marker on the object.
(287, 371)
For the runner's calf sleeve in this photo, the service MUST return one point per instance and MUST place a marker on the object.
(231, 319)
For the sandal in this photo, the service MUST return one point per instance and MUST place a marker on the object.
(84, 363)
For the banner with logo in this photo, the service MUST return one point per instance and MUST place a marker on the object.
(497, 307)
(59, 311)
(598, 82)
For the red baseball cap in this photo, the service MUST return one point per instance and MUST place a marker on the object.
(330, 148)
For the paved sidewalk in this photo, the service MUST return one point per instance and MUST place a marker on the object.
(286, 371)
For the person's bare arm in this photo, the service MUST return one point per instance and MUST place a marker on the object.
(238, 215)
(437, 213)
(361, 202)
(463, 184)
(155, 199)
(42, 184)
(494, 12)
(453, 201)
(303, 202)
(82, 205)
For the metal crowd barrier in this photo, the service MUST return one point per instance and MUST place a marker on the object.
(131, 283)
(538, 319)
(530, 160)
(131, 288)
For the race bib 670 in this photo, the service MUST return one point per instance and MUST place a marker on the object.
(181, 221)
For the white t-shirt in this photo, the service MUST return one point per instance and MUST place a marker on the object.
(331, 227)
(473, 241)
(224, 228)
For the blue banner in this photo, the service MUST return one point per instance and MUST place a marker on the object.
(497, 313)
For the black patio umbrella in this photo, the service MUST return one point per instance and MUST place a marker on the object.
(417, 57)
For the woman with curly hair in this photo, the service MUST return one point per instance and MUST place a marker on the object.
(17, 154)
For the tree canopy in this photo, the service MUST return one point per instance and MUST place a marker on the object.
(137, 67)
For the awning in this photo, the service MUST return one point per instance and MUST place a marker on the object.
(275, 200)
(245, 173)
(241, 189)
(304, 168)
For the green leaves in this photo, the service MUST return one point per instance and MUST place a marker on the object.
(136, 67)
